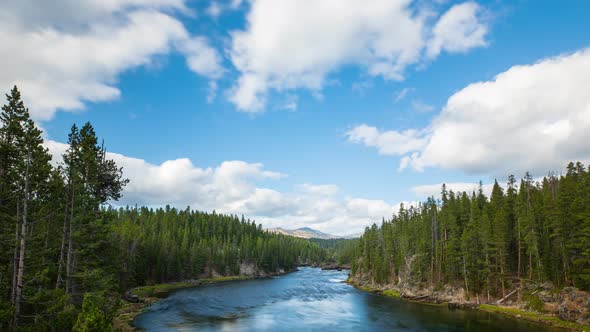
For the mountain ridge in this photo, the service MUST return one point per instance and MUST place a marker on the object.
(307, 233)
(303, 232)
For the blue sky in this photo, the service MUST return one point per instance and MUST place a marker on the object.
(321, 140)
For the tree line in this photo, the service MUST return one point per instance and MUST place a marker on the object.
(338, 251)
(67, 255)
(163, 245)
(535, 231)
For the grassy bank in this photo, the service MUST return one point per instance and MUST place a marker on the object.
(387, 292)
(391, 293)
(148, 295)
(162, 290)
(534, 317)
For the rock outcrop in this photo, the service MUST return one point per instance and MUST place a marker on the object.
(569, 304)
(574, 305)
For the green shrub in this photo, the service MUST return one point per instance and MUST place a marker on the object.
(97, 314)
(533, 302)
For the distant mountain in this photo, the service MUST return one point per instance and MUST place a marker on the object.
(353, 236)
(305, 232)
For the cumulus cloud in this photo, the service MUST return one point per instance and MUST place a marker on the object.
(233, 187)
(529, 118)
(460, 29)
(322, 190)
(387, 142)
(65, 53)
(201, 58)
(295, 44)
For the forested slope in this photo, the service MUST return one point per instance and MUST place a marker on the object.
(66, 255)
(535, 231)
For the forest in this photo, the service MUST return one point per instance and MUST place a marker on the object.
(68, 255)
(337, 251)
(530, 231)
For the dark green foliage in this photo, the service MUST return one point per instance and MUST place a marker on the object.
(538, 231)
(96, 315)
(66, 255)
(339, 251)
(158, 246)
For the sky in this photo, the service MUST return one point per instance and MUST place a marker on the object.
(326, 113)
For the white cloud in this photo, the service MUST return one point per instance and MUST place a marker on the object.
(434, 190)
(65, 53)
(460, 29)
(73, 15)
(296, 43)
(529, 118)
(235, 4)
(214, 9)
(249, 93)
(388, 142)
(217, 8)
(233, 187)
(322, 190)
(201, 58)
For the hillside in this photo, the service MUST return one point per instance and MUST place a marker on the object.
(305, 233)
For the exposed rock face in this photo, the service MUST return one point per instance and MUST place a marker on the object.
(455, 296)
(570, 304)
(574, 305)
(334, 266)
(249, 269)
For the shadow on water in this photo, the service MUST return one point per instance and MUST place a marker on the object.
(310, 300)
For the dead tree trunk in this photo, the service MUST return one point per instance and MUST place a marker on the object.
(503, 281)
(465, 276)
(23, 244)
(70, 243)
(63, 245)
(15, 257)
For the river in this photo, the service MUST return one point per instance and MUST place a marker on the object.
(310, 300)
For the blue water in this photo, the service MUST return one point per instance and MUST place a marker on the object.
(310, 300)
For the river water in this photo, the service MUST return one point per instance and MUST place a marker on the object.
(310, 300)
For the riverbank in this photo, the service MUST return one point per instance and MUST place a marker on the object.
(442, 298)
(146, 296)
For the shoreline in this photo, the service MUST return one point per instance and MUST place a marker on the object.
(150, 294)
(532, 316)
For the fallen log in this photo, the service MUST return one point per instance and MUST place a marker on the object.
(507, 296)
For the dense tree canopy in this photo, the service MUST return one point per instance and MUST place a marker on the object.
(67, 255)
(339, 251)
(534, 231)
